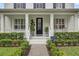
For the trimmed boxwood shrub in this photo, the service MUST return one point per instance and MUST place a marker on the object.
(13, 35)
(70, 38)
(9, 42)
(53, 50)
(67, 35)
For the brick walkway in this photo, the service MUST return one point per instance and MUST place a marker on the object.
(38, 50)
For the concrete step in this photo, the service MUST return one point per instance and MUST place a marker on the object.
(38, 41)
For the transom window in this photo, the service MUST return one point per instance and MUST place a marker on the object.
(19, 5)
(58, 5)
(39, 5)
(59, 23)
(19, 24)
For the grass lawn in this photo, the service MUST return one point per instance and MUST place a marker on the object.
(70, 51)
(10, 51)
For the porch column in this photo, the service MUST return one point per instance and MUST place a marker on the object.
(51, 29)
(27, 32)
(78, 21)
(2, 23)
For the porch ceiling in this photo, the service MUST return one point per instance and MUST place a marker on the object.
(38, 10)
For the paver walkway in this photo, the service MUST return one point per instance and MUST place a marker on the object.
(38, 50)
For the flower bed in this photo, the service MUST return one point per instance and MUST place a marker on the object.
(17, 50)
(16, 40)
(53, 50)
(10, 43)
(67, 38)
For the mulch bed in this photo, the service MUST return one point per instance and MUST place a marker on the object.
(26, 51)
(48, 50)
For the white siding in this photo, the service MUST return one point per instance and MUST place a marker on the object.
(29, 5)
(8, 5)
(49, 5)
(7, 24)
(77, 21)
(69, 5)
(71, 24)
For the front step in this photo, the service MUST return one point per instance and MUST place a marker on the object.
(36, 41)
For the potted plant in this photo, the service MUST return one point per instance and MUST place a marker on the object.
(46, 31)
(32, 29)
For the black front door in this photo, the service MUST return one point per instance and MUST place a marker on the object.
(39, 26)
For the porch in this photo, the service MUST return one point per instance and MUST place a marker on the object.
(53, 23)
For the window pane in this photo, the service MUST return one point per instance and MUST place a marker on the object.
(39, 5)
(63, 26)
(58, 5)
(60, 26)
(56, 21)
(15, 21)
(63, 5)
(19, 5)
(54, 5)
(15, 27)
(21, 21)
(62, 21)
(19, 24)
(22, 27)
(59, 21)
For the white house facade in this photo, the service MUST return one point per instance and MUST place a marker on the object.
(47, 18)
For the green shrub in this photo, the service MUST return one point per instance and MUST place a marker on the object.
(54, 51)
(20, 36)
(67, 35)
(18, 52)
(25, 45)
(9, 42)
(13, 35)
(50, 44)
(61, 53)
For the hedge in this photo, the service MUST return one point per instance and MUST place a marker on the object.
(67, 38)
(10, 43)
(53, 49)
(12, 35)
(67, 35)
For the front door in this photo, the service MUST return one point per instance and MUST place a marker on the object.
(39, 26)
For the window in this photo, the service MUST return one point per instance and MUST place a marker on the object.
(59, 24)
(39, 5)
(19, 24)
(19, 5)
(58, 5)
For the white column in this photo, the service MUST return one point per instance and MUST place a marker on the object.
(27, 33)
(51, 29)
(2, 23)
(78, 22)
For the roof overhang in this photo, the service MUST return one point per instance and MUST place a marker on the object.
(38, 10)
